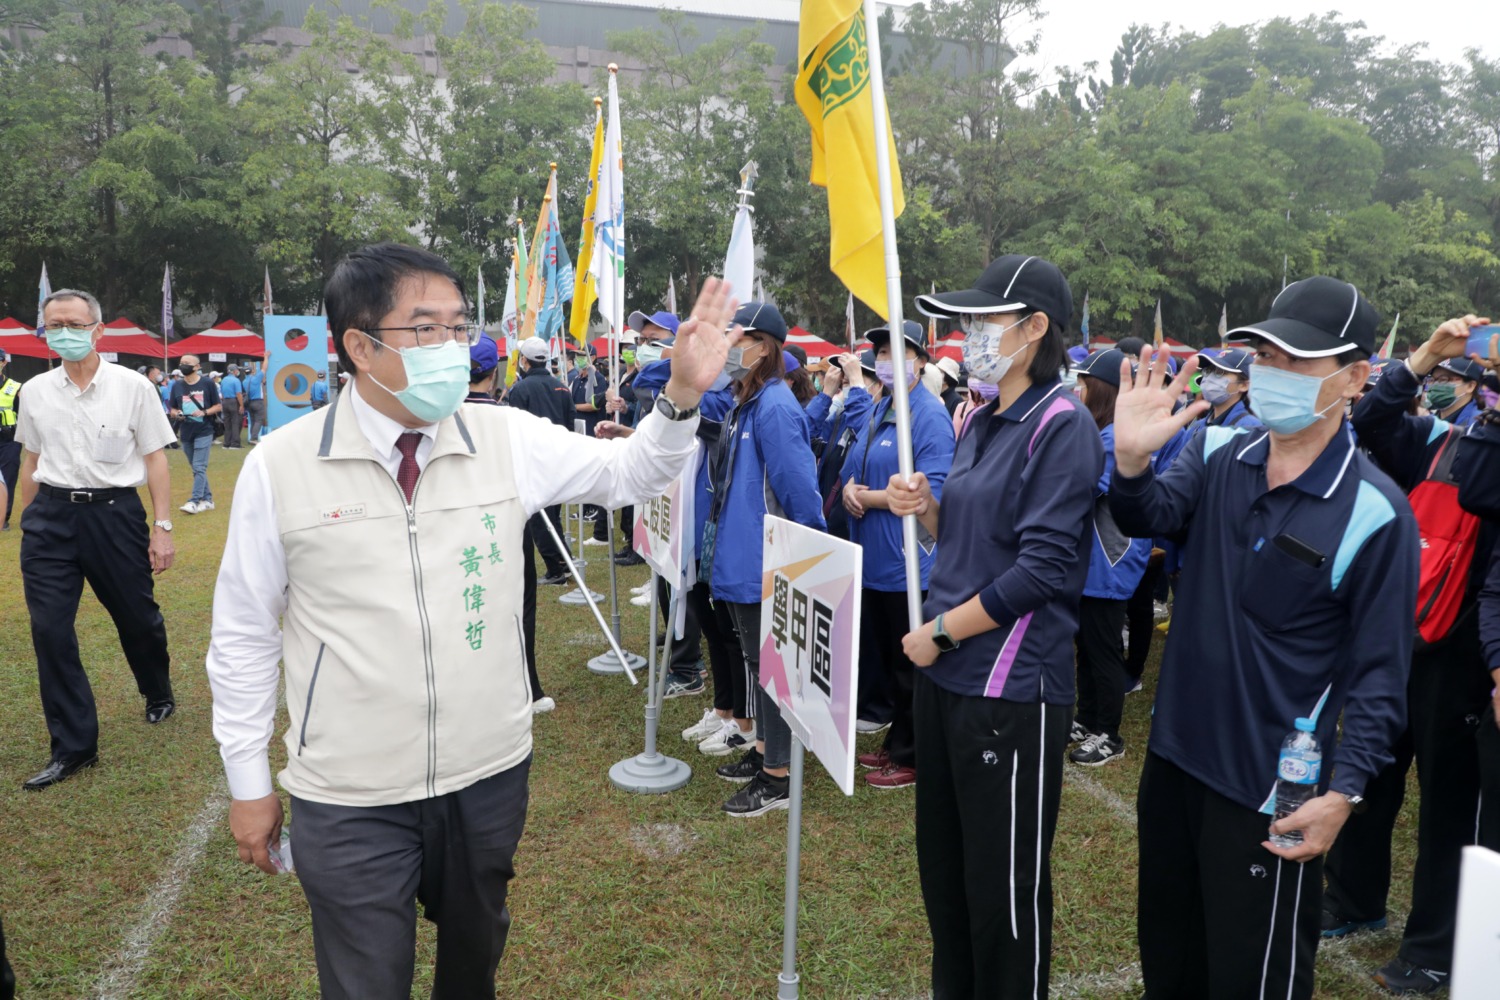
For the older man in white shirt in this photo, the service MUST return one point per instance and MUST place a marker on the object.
(375, 550)
(92, 434)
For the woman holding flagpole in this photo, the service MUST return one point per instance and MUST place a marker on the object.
(993, 700)
(764, 466)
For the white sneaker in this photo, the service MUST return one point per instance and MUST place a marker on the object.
(644, 588)
(191, 507)
(595, 541)
(641, 600)
(705, 727)
(542, 705)
(205, 505)
(727, 740)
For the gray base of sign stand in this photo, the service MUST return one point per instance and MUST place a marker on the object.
(608, 663)
(651, 774)
(575, 598)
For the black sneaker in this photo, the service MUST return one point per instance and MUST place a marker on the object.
(1099, 748)
(680, 687)
(742, 770)
(630, 558)
(554, 579)
(1400, 976)
(1078, 734)
(763, 794)
(1335, 926)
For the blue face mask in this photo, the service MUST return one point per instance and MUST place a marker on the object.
(437, 379)
(71, 343)
(1285, 401)
(648, 353)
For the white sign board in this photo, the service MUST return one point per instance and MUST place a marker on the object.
(1476, 948)
(809, 638)
(217, 356)
(111, 356)
(663, 535)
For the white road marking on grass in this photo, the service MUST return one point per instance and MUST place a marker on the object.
(1123, 811)
(118, 980)
(662, 840)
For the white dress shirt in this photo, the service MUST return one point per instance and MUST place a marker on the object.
(551, 465)
(96, 437)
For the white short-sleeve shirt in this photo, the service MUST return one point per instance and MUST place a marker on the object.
(96, 437)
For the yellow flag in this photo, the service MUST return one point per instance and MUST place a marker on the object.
(535, 282)
(1156, 326)
(587, 291)
(833, 91)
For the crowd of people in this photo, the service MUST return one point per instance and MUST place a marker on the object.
(1319, 521)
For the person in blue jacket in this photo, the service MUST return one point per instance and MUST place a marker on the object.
(870, 464)
(1116, 564)
(764, 465)
(1299, 580)
(711, 732)
(1225, 387)
(1453, 391)
(994, 697)
(836, 415)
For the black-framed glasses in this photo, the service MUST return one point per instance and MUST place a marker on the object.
(436, 334)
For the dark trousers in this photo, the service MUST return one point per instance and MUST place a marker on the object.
(1140, 613)
(10, 469)
(7, 977)
(627, 528)
(883, 624)
(528, 609)
(232, 423)
(105, 543)
(687, 653)
(362, 867)
(724, 659)
(257, 418)
(741, 681)
(1489, 780)
(1446, 699)
(601, 521)
(1217, 914)
(1101, 666)
(770, 727)
(986, 813)
(555, 559)
(872, 696)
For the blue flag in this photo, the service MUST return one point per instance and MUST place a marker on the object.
(557, 273)
(1083, 324)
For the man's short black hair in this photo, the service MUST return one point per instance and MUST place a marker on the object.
(1131, 346)
(362, 288)
(797, 352)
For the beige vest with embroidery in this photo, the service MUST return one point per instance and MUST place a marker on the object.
(402, 645)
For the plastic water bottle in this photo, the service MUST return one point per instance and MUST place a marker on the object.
(1297, 774)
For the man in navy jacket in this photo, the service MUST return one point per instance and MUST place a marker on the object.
(1299, 580)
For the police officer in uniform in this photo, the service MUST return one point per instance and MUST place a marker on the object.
(10, 452)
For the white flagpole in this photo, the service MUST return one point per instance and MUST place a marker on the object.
(893, 305)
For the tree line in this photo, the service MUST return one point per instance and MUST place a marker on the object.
(1197, 170)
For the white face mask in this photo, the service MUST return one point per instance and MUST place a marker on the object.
(1215, 388)
(982, 350)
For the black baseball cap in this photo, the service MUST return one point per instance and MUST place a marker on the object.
(1012, 283)
(867, 361)
(911, 332)
(1103, 365)
(762, 317)
(1465, 368)
(1316, 318)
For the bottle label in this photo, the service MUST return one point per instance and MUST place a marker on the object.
(1299, 770)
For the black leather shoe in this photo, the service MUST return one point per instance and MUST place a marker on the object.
(554, 579)
(159, 710)
(631, 558)
(58, 770)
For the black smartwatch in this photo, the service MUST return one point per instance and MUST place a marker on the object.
(671, 411)
(940, 637)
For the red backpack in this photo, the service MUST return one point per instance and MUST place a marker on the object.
(1448, 535)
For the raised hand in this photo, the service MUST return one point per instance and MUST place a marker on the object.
(1144, 420)
(699, 351)
(1450, 340)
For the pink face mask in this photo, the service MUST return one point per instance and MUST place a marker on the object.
(986, 391)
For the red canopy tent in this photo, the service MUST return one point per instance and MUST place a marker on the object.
(227, 337)
(21, 340)
(951, 346)
(1178, 349)
(815, 346)
(123, 337)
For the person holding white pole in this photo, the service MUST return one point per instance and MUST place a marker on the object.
(993, 700)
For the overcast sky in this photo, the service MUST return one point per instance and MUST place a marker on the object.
(1078, 31)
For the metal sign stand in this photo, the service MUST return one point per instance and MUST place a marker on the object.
(593, 605)
(649, 772)
(786, 983)
(605, 663)
(580, 595)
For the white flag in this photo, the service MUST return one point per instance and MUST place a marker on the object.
(480, 284)
(739, 263)
(508, 318)
(671, 295)
(609, 219)
(849, 320)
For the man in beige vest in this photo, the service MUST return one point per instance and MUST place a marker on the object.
(374, 549)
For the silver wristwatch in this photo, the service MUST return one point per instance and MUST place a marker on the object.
(163, 525)
(671, 411)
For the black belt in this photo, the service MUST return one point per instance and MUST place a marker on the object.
(85, 496)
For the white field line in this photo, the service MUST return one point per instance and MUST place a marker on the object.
(1122, 810)
(118, 979)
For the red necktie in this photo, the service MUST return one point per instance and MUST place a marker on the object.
(406, 474)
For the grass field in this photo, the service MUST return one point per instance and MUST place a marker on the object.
(123, 882)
